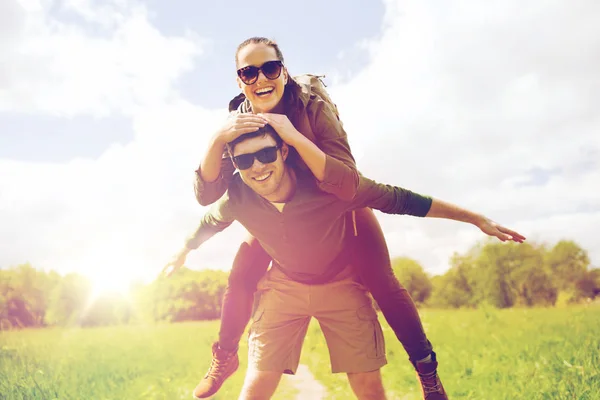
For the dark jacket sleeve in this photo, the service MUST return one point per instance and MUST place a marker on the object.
(341, 175)
(390, 199)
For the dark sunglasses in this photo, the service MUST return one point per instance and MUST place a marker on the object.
(265, 156)
(270, 69)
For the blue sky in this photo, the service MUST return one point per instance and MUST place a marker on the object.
(106, 109)
(326, 38)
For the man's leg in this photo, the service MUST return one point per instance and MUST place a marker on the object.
(375, 270)
(352, 332)
(249, 266)
(278, 329)
(259, 385)
(367, 385)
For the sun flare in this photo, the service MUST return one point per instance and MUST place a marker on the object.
(117, 279)
(103, 285)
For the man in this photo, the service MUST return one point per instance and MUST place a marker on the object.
(303, 230)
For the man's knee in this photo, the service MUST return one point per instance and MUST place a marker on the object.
(259, 385)
(367, 385)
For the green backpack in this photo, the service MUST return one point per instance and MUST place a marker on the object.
(317, 86)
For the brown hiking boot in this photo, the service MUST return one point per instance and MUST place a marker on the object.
(224, 364)
(431, 385)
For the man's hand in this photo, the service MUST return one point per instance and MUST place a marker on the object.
(239, 124)
(491, 228)
(283, 126)
(176, 263)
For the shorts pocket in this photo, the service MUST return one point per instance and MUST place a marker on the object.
(257, 316)
(368, 315)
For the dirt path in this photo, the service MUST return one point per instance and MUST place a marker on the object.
(306, 384)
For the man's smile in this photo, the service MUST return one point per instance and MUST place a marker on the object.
(263, 177)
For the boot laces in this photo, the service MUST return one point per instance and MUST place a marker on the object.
(217, 366)
(430, 383)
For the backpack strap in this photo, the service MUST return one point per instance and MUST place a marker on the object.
(236, 101)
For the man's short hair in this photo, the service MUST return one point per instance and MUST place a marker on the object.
(266, 130)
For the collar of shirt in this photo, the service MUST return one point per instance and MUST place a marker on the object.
(306, 189)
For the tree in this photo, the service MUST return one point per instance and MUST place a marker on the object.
(568, 263)
(499, 274)
(456, 287)
(532, 280)
(24, 296)
(413, 277)
(187, 295)
(68, 300)
(515, 274)
(595, 276)
(588, 285)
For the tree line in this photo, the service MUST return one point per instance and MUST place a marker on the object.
(505, 275)
(494, 274)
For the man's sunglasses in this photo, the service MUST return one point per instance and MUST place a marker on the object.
(265, 156)
(270, 69)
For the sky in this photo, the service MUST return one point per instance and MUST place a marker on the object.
(106, 108)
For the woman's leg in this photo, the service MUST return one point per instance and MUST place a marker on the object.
(250, 264)
(375, 269)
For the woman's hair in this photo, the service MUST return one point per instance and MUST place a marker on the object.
(259, 40)
(288, 94)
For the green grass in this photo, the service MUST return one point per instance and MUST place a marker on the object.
(129, 362)
(490, 354)
(484, 354)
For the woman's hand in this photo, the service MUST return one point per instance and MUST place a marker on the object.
(283, 126)
(239, 124)
(491, 228)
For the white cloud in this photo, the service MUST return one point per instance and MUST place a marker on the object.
(125, 212)
(464, 101)
(116, 62)
(461, 102)
(115, 214)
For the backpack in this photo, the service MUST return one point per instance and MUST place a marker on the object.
(317, 86)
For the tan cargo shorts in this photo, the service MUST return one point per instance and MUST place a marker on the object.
(284, 308)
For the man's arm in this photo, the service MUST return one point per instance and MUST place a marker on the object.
(210, 225)
(396, 200)
(217, 219)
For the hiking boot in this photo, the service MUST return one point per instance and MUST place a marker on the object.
(431, 385)
(224, 364)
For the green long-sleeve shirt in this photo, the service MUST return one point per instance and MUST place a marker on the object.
(304, 238)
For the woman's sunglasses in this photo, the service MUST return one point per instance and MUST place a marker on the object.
(266, 155)
(270, 69)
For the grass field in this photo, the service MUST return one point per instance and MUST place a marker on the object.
(484, 354)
